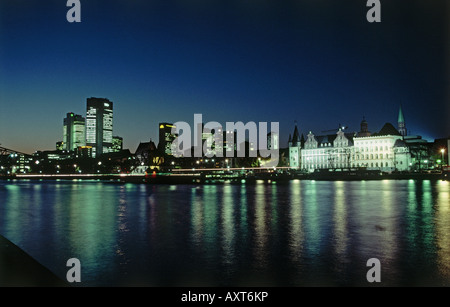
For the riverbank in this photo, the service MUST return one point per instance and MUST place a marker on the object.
(18, 269)
(210, 178)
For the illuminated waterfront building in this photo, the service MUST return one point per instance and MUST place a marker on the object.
(385, 150)
(73, 132)
(99, 125)
(327, 151)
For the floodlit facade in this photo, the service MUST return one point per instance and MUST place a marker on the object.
(388, 150)
(383, 151)
(327, 151)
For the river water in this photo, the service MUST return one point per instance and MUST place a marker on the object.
(299, 233)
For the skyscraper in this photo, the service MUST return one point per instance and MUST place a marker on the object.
(117, 144)
(73, 132)
(99, 125)
(166, 138)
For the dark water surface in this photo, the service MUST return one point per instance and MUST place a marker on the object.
(301, 233)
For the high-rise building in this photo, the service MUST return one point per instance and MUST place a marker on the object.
(117, 144)
(99, 125)
(73, 132)
(166, 138)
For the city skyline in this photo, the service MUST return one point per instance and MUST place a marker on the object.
(303, 132)
(318, 64)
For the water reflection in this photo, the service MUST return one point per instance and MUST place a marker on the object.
(197, 218)
(311, 219)
(300, 233)
(296, 235)
(443, 229)
(91, 223)
(228, 226)
(260, 227)
(340, 231)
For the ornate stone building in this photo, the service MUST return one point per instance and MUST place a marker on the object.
(327, 151)
(385, 150)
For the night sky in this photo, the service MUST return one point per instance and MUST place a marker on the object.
(317, 62)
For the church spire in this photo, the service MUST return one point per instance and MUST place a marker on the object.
(401, 119)
(401, 122)
(295, 136)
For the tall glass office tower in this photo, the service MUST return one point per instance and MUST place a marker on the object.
(99, 125)
(166, 138)
(74, 132)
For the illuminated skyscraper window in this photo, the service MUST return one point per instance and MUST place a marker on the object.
(99, 125)
(166, 138)
(117, 143)
(74, 132)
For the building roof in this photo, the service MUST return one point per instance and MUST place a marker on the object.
(387, 129)
(145, 147)
(325, 139)
(329, 139)
(399, 143)
(350, 136)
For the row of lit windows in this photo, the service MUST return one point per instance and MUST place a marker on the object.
(374, 142)
(376, 148)
(343, 157)
(372, 164)
(91, 112)
(337, 151)
(357, 149)
(107, 121)
(107, 136)
(341, 144)
(371, 156)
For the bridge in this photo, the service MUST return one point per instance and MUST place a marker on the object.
(6, 151)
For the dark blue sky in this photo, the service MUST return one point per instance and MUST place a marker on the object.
(317, 62)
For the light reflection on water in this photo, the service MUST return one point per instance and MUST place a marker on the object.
(294, 234)
(443, 229)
